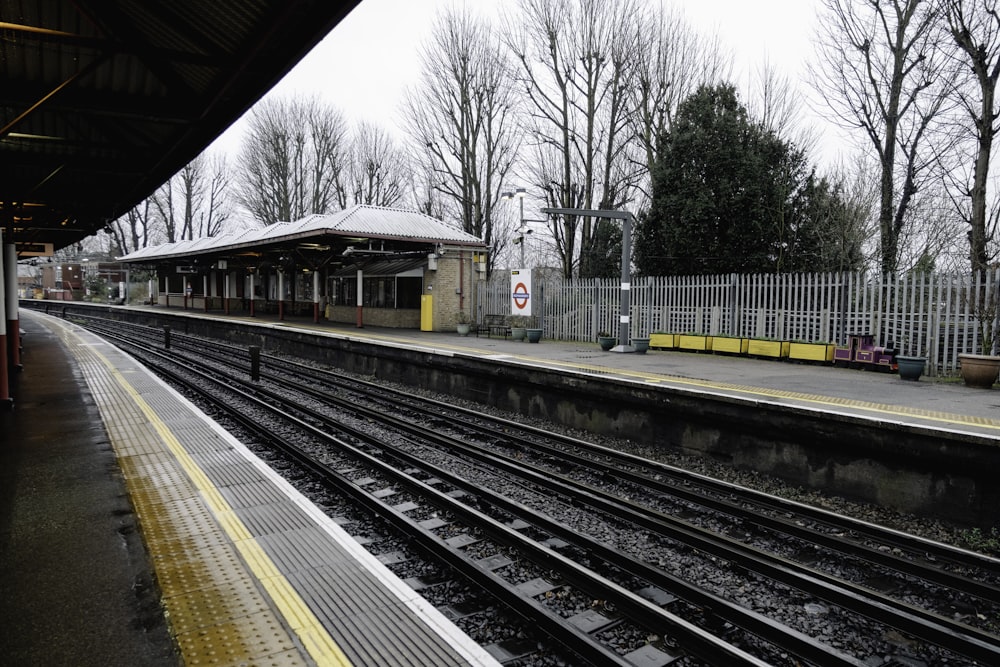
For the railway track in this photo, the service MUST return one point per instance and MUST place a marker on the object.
(649, 517)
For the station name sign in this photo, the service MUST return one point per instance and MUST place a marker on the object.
(34, 249)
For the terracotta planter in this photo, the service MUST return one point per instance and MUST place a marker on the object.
(979, 370)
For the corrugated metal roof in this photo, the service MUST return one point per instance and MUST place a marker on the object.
(104, 101)
(362, 222)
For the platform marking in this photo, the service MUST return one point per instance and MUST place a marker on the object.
(660, 378)
(297, 614)
(880, 408)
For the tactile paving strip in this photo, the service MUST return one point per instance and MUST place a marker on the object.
(216, 611)
(223, 529)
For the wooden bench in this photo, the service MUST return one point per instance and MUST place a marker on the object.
(494, 324)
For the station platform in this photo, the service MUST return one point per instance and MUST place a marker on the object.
(136, 531)
(935, 403)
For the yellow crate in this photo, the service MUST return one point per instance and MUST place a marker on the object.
(768, 348)
(811, 351)
(694, 342)
(730, 345)
(663, 341)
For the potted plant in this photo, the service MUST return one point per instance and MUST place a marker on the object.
(462, 323)
(910, 367)
(606, 340)
(533, 334)
(641, 344)
(518, 327)
(982, 370)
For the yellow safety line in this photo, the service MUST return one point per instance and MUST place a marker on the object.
(320, 645)
(878, 408)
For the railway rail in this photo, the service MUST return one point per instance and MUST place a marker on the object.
(646, 518)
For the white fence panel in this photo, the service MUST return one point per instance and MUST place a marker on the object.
(937, 315)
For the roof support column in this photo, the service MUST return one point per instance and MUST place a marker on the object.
(13, 320)
(252, 289)
(281, 295)
(5, 399)
(315, 296)
(360, 297)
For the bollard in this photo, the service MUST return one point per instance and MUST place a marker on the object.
(255, 363)
(166, 336)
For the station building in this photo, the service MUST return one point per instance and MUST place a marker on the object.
(369, 265)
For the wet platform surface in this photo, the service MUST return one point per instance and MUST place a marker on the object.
(247, 571)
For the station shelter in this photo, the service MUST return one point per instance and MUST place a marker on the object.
(364, 265)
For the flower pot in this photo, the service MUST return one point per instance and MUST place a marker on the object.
(462, 329)
(607, 342)
(910, 368)
(533, 335)
(979, 370)
(518, 333)
(640, 345)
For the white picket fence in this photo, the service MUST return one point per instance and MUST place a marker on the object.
(930, 314)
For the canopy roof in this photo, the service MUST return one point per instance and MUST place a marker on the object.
(103, 100)
(360, 230)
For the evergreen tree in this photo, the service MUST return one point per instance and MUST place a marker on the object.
(730, 196)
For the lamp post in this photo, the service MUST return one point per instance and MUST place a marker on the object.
(522, 230)
(626, 281)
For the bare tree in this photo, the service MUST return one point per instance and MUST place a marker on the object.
(975, 28)
(881, 72)
(163, 203)
(460, 118)
(672, 61)
(193, 202)
(291, 160)
(134, 230)
(577, 61)
(213, 212)
(376, 169)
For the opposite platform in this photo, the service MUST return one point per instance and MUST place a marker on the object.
(251, 571)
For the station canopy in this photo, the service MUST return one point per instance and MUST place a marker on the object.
(354, 236)
(102, 101)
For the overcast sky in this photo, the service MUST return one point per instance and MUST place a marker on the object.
(365, 63)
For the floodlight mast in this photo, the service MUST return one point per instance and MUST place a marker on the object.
(624, 339)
